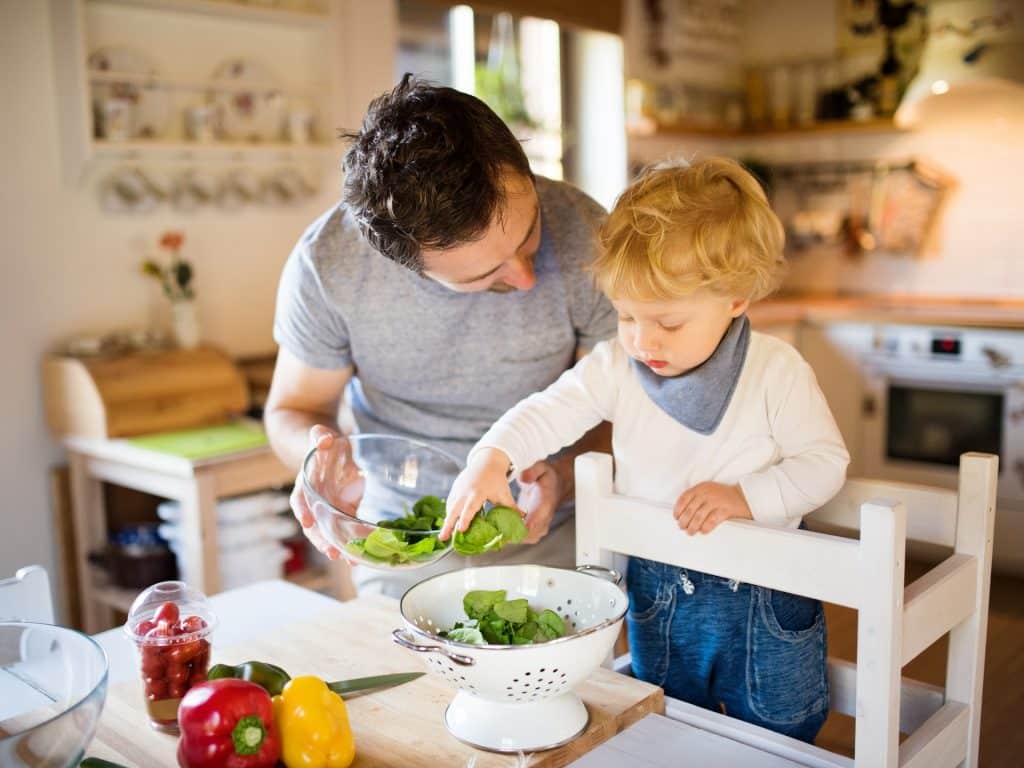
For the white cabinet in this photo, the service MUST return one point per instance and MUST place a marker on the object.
(829, 351)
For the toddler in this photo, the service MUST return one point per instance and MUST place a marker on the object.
(708, 416)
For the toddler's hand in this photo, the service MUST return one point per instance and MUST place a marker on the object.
(704, 506)
(485, 479)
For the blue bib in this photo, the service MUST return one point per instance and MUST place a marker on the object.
(698, 398)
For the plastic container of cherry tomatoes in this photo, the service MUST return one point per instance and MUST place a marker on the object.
(169, 624)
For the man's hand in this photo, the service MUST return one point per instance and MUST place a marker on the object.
(540, 492)
(704, 506)
(342, 489)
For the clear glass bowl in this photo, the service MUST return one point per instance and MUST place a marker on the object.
(53, 683)
(354, 494)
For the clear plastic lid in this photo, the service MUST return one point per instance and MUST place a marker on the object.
(169, 612)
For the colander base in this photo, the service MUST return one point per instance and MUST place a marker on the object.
(520, 727)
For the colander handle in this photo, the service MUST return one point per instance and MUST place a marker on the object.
(601, 572)
(401, 636)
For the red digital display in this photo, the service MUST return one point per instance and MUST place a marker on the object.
(945, 345)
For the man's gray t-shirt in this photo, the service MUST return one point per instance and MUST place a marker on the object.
(431, 363)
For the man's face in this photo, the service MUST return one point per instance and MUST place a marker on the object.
(501, 260)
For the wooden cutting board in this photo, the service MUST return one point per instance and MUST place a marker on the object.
(400, 727)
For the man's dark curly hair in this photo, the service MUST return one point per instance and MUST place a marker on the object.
(425, 170)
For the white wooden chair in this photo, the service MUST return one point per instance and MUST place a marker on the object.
(894, 623)
(26, 596)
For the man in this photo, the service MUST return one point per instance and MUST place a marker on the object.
(444, 288)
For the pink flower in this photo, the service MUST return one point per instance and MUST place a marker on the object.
(172, 240)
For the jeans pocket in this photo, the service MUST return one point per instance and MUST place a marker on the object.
(787, 675)
(646, 587)
(647, 625)
(644, 607)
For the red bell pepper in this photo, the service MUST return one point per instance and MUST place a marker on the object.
(227, 724)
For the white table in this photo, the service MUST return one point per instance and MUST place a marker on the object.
(655, 742)
(242, 614)
(660, 742)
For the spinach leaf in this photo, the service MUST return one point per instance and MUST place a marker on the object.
(504, 622)
(513, 611)
(405, 539)
(413, 538)
(490, 531)
(480, 537)
(466, 635)
(385, 544)
(551, 622)
(479, 603)
(430, 506)
(509, 523)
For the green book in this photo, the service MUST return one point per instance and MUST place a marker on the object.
(204, 442)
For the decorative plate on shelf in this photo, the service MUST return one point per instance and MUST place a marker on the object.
(248, 115)
(128, 109)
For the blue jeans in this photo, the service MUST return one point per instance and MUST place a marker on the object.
(757, 653)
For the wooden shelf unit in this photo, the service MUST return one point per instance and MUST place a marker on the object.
(228, 29)
(820, 128)
(197, 485)
(193, 84)
(271, 150)
(229, 9)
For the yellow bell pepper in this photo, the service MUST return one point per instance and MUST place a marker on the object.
(313, 723)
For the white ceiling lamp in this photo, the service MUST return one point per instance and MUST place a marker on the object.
(972, 66)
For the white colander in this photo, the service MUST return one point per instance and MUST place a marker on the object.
(516, 698)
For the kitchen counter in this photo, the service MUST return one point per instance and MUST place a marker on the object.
(900, 309)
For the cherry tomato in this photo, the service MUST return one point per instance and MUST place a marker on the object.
(184, 652)
(156, 690)
(202, 659)
(191, 624)
(198, 676)
(152, 665)
(176, 690)
(177, 673)
(166, 612)
(143, 627)
(160, 631)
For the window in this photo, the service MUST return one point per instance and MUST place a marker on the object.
(513, 64)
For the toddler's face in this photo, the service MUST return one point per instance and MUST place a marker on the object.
(672, 337)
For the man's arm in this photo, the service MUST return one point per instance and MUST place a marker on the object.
(300, 397)
(563, 462)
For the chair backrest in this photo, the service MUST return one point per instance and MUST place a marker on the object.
(895, 623)
(931, 512)
(26, 596)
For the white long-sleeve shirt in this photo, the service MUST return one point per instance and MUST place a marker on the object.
(777, 439)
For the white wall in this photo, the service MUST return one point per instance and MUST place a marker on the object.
(70, 268)
(979, 243)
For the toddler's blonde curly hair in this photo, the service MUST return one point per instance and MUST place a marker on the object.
(684, 228)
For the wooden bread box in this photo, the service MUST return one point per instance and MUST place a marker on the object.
(142, 393)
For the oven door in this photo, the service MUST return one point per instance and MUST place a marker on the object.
(917, 423)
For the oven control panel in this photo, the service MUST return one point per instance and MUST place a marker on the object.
(992, 349)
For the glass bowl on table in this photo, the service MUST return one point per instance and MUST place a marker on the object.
(379, 499)
(53, 684)
(169, 623)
